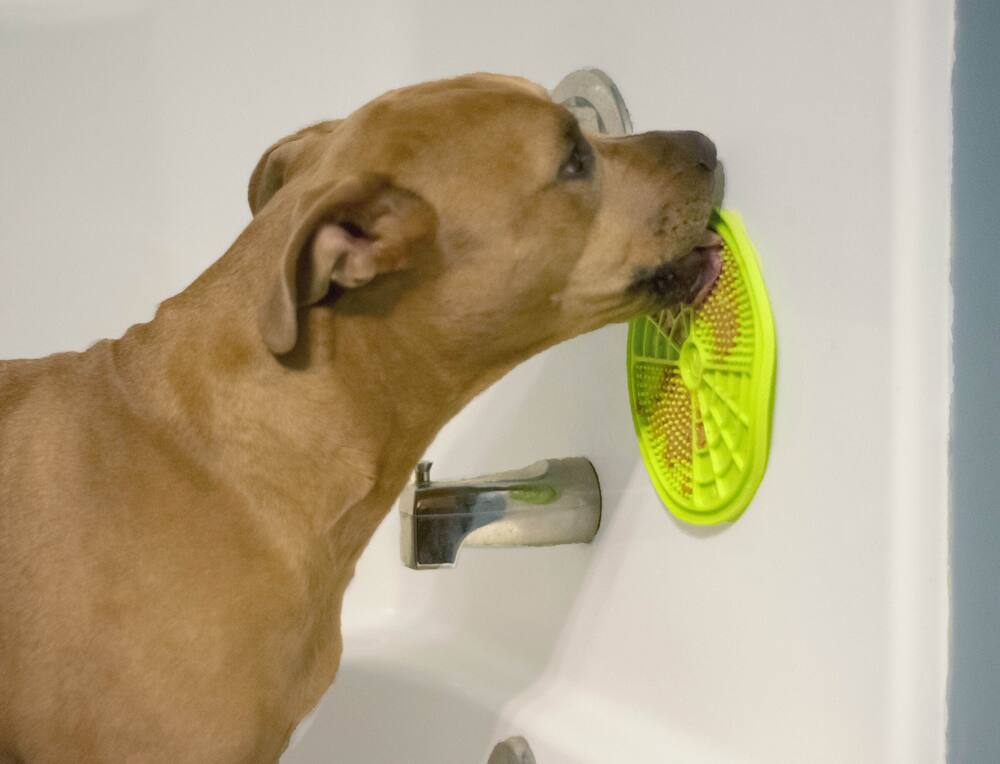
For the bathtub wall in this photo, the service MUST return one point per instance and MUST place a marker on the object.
(815, 628)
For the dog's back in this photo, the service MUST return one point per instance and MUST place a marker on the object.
(26, 402)
(43, 403)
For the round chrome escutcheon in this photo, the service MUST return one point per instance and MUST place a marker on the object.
(594, 100)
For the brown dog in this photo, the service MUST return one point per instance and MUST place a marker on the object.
(181, 509)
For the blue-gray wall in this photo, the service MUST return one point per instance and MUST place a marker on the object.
(974, 690)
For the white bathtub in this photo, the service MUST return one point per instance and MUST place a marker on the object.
(433, 697)
(814, 629)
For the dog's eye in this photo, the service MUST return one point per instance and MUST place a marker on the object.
(580, 162)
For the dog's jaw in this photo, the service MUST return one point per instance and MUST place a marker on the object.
(685, 279)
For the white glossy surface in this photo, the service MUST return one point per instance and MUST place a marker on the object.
(812, 630)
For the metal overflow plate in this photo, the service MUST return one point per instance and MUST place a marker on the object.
(595, 101)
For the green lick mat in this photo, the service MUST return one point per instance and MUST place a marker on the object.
(701, 386)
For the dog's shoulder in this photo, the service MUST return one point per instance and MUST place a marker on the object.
(19, 379)
(24, 380)
(42, 401)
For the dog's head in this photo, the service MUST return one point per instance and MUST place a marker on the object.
(477, 206)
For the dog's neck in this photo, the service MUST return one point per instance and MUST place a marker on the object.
(327, 435)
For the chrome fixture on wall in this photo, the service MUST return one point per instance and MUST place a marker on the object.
(554, 501)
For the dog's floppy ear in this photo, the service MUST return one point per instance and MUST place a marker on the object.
(280, 160)
(345, 233)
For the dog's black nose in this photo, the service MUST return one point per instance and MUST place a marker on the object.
(687, 146)
(697, 146)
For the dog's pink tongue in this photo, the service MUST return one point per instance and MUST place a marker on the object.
(711, 245)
